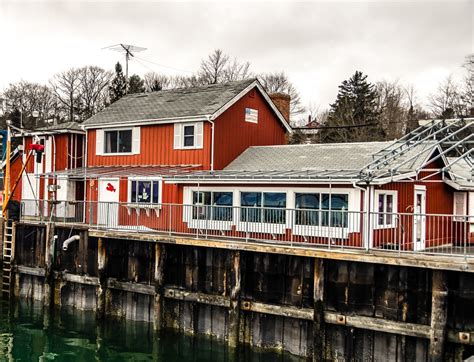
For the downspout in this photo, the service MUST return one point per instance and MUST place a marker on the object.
(212, 142)
(366, 211)
(69, 241)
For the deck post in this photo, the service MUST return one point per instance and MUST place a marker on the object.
(234, 309)
(48, 272)
(439, 307)
(102, 288)
(159, 277)
(319, 328)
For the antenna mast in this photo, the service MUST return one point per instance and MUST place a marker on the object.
(128, 50)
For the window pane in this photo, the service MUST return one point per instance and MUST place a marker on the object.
(274, 201)
(188, 136)
(251, 203)
(144, 191)
(134, 191)
(110, 141)
(223, 213)
(125, 141)
(308, 202)
(203, 199)
(325, 199)
(339, 202)
(389, 209)
(156, 190)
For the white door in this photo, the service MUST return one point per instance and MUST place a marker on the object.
(419, 220)
(107, 209)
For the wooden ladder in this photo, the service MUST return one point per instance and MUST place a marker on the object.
(8, 255)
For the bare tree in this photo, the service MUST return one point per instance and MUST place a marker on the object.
(447, 101)
(392, 107)
(28, 97)
(279, 83)
(66, 86)
(213, 68)
(236, 70)
(468, 86)
(92, 90)
(156, 82)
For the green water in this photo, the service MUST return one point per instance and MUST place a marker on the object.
(71, 335)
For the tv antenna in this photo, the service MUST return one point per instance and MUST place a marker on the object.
(128, 50)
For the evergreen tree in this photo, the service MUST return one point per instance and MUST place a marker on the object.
(353, 117)
(136, 84)
(118, 88)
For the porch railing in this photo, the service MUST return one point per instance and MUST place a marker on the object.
(338, 229)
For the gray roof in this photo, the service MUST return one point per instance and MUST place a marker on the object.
(66, 126)
(169, 104)
(336, 161)
(461, 173)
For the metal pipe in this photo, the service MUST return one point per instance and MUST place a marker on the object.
(69, 241)
(212, 142)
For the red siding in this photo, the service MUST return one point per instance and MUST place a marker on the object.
(156, 148)
(15, 168)
(62, 151)
(233, 135)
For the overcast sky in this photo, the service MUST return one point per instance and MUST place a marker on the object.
(318, 44)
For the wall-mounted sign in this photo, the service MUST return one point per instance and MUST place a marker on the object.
(251, 115)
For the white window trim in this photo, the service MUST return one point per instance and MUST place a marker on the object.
(178, 139)
(301, 230)
(394, 195)
(137, 206)
(102, 134)
(459, 217)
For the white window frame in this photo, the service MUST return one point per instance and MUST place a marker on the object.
(459, 217)
(354, 197)
(198, 143)
(394, 195)
(141, 205)
(101, 142)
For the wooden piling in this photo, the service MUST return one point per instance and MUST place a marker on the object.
(319, 328)
(48, 275)
(234, 308)
(439, 308)
(102, 288)
(159, 279)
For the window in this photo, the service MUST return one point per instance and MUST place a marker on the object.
(321, 209)
(210, 205)
(266, 207)
(144, 191)
(386, 208)
(460, 205)
(118, 141)
(188, 135)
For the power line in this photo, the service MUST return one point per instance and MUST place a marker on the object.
(164, 66)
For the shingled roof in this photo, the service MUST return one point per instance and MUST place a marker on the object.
(168, 105)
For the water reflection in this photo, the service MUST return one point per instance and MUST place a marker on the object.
(27, 334)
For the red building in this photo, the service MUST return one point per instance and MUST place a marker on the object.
(211, 161)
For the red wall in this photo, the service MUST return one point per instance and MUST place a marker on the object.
(156, 148)
(233, 135)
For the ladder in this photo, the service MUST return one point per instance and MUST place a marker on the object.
(8, 255)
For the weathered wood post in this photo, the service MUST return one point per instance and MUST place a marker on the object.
(319, 328)
(48, 260)
(234, 308)
(160, 261)
(102, 288)
(439, 315)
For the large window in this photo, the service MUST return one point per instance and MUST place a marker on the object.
(118, 141)
(321, 209)
(386, 203)
(266, 207)
(144, 191)
(210, 205)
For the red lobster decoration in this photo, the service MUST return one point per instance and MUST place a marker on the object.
(110, 187)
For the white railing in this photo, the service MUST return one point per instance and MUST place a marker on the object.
(400, 232)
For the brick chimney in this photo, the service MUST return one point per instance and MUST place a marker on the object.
(282, 102)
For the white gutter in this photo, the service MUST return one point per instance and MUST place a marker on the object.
(141, 122)
(212, 141)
